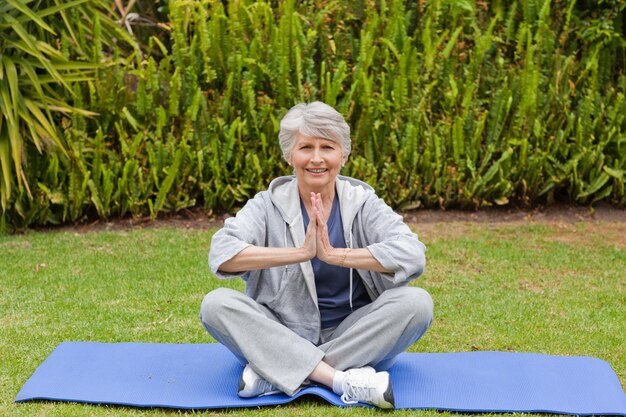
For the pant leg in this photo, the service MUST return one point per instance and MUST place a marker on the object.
(378, 332)
(253, 334)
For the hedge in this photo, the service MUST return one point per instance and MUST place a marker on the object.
(452, 104)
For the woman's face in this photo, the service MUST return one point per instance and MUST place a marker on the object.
(316, 162)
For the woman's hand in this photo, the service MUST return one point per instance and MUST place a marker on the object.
(360, 258)
(309, 246)
(325, 250)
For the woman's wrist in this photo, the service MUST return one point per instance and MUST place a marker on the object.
(303, 254)
(335, 256)
(344, 255)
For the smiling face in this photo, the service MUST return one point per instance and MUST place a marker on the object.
(316, 162)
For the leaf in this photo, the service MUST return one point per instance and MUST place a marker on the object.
(42, 121)
(130, 118)
(30, 14)
(502, 201)
(452, 42)
(172, 172)
(595, 186)
(615, 173)
(5, 162)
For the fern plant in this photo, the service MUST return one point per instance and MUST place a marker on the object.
(451, 104)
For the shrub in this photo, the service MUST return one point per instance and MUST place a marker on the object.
(452, 104)
(46, 47)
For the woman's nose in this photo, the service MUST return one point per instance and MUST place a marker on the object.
(317, 156)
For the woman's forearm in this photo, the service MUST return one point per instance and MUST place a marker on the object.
(259, 257)
(360, 258)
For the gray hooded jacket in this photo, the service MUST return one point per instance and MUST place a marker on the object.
(273, 218)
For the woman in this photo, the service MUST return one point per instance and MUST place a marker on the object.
(326, 263)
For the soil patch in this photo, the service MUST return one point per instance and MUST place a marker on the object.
(571, 224)
(428, 223)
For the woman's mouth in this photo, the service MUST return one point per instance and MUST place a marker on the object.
(317, 170)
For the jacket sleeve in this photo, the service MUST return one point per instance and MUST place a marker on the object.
(392, 242)
(247, 228)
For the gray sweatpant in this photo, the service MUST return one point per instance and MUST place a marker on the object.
(372, 335)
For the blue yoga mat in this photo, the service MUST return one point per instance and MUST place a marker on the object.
(200, 376)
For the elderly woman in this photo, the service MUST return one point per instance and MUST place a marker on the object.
(326, 265)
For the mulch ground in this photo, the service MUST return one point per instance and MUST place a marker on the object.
(425, 222)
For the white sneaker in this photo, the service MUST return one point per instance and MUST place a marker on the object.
(252, 384)
(368, 387)
(366, 370)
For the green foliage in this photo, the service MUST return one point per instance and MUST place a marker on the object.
(451, 104)
(46, 47)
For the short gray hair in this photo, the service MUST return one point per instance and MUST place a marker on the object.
(315, 119)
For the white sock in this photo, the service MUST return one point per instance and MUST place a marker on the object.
(338, 382)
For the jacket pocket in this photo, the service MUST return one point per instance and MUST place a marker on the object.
(294, 306)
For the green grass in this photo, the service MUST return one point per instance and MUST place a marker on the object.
(518, 287)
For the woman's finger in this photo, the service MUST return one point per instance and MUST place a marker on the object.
(319, 208)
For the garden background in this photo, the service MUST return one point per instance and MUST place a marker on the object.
(114, 109)
(115, 112)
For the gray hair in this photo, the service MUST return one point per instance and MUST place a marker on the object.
(315, 119)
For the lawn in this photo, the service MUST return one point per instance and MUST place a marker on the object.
(524, 286)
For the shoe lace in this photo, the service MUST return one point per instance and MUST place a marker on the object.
(356, 389)
(264, 386)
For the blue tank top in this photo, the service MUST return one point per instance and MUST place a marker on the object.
(333, 282)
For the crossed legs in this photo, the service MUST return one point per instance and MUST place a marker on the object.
(372, 336)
